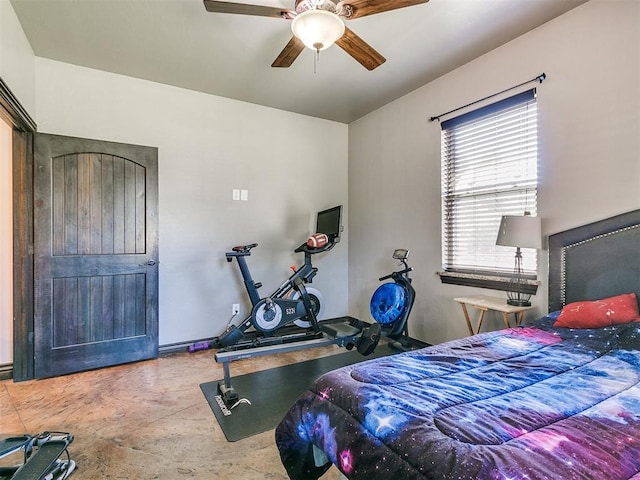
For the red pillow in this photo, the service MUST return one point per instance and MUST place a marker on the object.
(599, 313)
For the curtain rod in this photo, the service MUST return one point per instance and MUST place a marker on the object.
(539, 78)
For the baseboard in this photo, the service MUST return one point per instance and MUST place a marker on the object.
(6, 371)
(182, 347)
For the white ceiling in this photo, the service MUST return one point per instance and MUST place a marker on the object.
(177, 42)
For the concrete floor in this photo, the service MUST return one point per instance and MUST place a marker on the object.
(147, 420)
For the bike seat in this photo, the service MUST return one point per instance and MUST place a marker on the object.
(244, 248)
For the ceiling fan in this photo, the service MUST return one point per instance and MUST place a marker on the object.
(317, 24)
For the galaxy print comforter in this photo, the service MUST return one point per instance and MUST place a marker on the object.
(530, 402)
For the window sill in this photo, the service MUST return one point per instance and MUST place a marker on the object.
(493, 282)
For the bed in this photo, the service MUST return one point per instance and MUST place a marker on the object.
(558, 398)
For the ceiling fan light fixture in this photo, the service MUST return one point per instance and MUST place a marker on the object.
(317, 29)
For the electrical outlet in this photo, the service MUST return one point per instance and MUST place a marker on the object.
(235, 308)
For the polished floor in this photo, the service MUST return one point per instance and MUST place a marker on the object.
(147, 420)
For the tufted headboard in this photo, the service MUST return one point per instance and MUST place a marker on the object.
(595, 261)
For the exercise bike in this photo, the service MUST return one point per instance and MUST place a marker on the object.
(294, 303)
(291, 303)
(392, 302)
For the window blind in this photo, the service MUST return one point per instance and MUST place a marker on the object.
(489, 169)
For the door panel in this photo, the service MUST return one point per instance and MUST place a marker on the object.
(96, 254)
(96, 308)
(99, 205)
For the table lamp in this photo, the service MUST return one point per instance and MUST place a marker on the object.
(520, 232)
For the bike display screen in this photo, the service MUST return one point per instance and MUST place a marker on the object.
(329, 222)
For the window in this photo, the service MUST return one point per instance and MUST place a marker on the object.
(489, 169)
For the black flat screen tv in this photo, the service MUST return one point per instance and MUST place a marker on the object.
(329, 222)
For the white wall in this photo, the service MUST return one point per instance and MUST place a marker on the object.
(291, 164)
(589, 117)
(17, 61)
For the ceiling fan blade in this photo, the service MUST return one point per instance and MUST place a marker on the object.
(360, 50)
(246, 9)
(289, 53)
(361, 8)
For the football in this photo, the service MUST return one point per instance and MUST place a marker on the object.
(317, 240)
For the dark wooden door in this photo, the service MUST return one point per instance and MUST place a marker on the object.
(96, 254)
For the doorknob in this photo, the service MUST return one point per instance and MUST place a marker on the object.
(150, 263)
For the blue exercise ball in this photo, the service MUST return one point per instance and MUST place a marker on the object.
(387, 303)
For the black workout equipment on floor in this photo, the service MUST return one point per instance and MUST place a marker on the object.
(40, 457)
(392, 302)
(293, 302)
(287, 319)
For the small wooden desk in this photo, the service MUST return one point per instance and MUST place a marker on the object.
(484, 303)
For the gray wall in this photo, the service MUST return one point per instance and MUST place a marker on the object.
(207, 146)
(589, 117)
(17, 62)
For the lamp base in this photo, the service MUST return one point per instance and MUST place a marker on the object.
(518, 303)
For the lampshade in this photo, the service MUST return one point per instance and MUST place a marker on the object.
(317, 29)
(520, 231)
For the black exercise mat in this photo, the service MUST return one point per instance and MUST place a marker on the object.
(272, 392)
